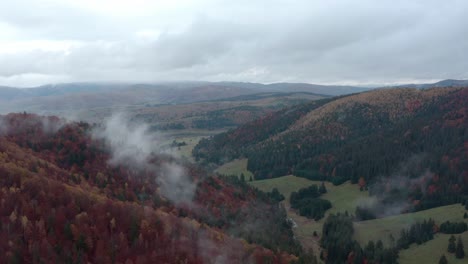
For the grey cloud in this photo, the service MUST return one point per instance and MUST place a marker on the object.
(36, 61)
(205, 40)
(55, 20)
(267, 41)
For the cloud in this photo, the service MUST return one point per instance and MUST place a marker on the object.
(133, 145)
(264, 41)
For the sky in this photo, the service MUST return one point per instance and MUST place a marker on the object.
(360, 42)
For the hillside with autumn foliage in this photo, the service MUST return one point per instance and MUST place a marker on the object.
(66, 198)
(408, 146)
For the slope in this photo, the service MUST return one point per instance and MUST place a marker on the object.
(409, 146)
(64, 198)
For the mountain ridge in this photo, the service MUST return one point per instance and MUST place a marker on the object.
(52, 99)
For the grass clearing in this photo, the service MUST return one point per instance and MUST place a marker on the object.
(235, 167)
(285, 185)
(344, 197)
(432, 250)
(382, 228)
(190, 136)
(186, 151)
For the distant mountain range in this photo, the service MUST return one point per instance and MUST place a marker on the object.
(57, 98)
(443, 83)
(52, 99)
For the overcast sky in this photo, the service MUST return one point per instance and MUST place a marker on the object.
(332, 42)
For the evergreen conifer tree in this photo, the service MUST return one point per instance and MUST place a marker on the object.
(451, 246)
(443, 260)
(459, 252)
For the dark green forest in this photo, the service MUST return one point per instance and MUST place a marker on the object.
(307, 202)
(415, 151)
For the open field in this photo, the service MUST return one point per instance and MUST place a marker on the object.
(186, 151)
(235, 167)
(285, 185)
(343, 198)
(190, 136)
(381, 228)
(431, 251)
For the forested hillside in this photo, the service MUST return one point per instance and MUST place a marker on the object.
(64, 198)
(407, 145)
(233, 144)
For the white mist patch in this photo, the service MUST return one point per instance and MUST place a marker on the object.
(4, 127)
(133, 145)
(175, 184)
(129, 144)
(367, 202)
(214, 252)
(393, 189)
(51, 125)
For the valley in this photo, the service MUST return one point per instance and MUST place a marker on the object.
(237, 152)
(233, 132)
(346, 197)
(248, 147)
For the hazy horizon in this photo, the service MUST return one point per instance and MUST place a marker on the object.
(111, 82)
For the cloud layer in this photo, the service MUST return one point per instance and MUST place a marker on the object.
(353, 42)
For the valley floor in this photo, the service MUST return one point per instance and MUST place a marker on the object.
(345, 197)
